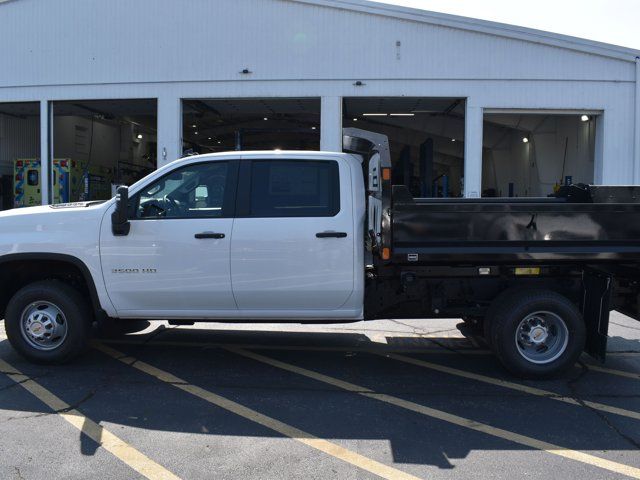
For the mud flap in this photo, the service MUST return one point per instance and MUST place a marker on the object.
(596, 305)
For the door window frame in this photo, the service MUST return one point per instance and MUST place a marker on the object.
(244, 192)
(228, 202)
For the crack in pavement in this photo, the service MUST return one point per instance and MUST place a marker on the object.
(572, 384)
(75, 406)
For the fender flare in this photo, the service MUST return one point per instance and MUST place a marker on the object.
(60, 257)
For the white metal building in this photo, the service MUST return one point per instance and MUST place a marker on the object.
(471, 107)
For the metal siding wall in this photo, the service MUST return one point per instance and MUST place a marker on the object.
(88, 49)
(93, 41)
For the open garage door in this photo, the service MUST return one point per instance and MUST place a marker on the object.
(426, 136)
(218, 125)
(99, 144)
(533, 154)
(20, 171)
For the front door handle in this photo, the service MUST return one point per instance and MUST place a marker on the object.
(331, 235)
(209, 235)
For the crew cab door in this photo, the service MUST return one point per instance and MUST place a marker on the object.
(292, 249)
(174, 263)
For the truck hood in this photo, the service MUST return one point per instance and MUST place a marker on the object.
(48, 209)
(57, 229)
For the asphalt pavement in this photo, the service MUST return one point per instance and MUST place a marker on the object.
(387, 399)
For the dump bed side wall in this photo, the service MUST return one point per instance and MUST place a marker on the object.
(467, 232)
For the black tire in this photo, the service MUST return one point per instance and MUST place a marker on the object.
(489, 319)
(513, 308)
(77, 316)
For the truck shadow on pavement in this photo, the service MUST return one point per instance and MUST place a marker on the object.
(138, 406)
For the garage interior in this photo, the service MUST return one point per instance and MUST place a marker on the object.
(219, 125)
(19, 155)
(532, 154)
(426, 136)
(100, 144)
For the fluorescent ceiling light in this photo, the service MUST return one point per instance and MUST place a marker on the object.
(403, 114)
(375, 114)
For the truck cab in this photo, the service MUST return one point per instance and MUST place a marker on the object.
(271, 235)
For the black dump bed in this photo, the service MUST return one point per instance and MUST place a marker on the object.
(581, 224)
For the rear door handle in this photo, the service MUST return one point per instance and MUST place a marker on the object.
(331, 235)
(209, 235)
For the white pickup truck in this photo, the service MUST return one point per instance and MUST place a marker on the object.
(313, 237)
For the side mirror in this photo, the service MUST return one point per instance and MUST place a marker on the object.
(120, 225)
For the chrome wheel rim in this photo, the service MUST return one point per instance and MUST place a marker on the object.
(43, 326)
(542, 337)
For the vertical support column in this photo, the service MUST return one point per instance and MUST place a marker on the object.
(636, 157)
(473, 151)
(331, 124)
(598, 159)
(46, 147)
(169, 130)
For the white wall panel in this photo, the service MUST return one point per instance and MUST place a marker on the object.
(94, 49)
(93, 41)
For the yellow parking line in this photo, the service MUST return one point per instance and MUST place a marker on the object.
(107, 440)
(450, 418)
(513, 386)
(294, 433)
(620, 373)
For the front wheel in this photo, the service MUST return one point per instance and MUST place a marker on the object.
(537, 334)
(48, 322)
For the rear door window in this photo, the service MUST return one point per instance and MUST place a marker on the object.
(294, 188)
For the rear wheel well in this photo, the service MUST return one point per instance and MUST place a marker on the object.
(18, 273)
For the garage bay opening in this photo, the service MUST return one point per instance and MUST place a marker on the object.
(20, 168)
(426, 136)
(219, 125)
(534, 154)
(100, 144)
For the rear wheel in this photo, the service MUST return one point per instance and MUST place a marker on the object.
(537, 334)
(48, 322)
